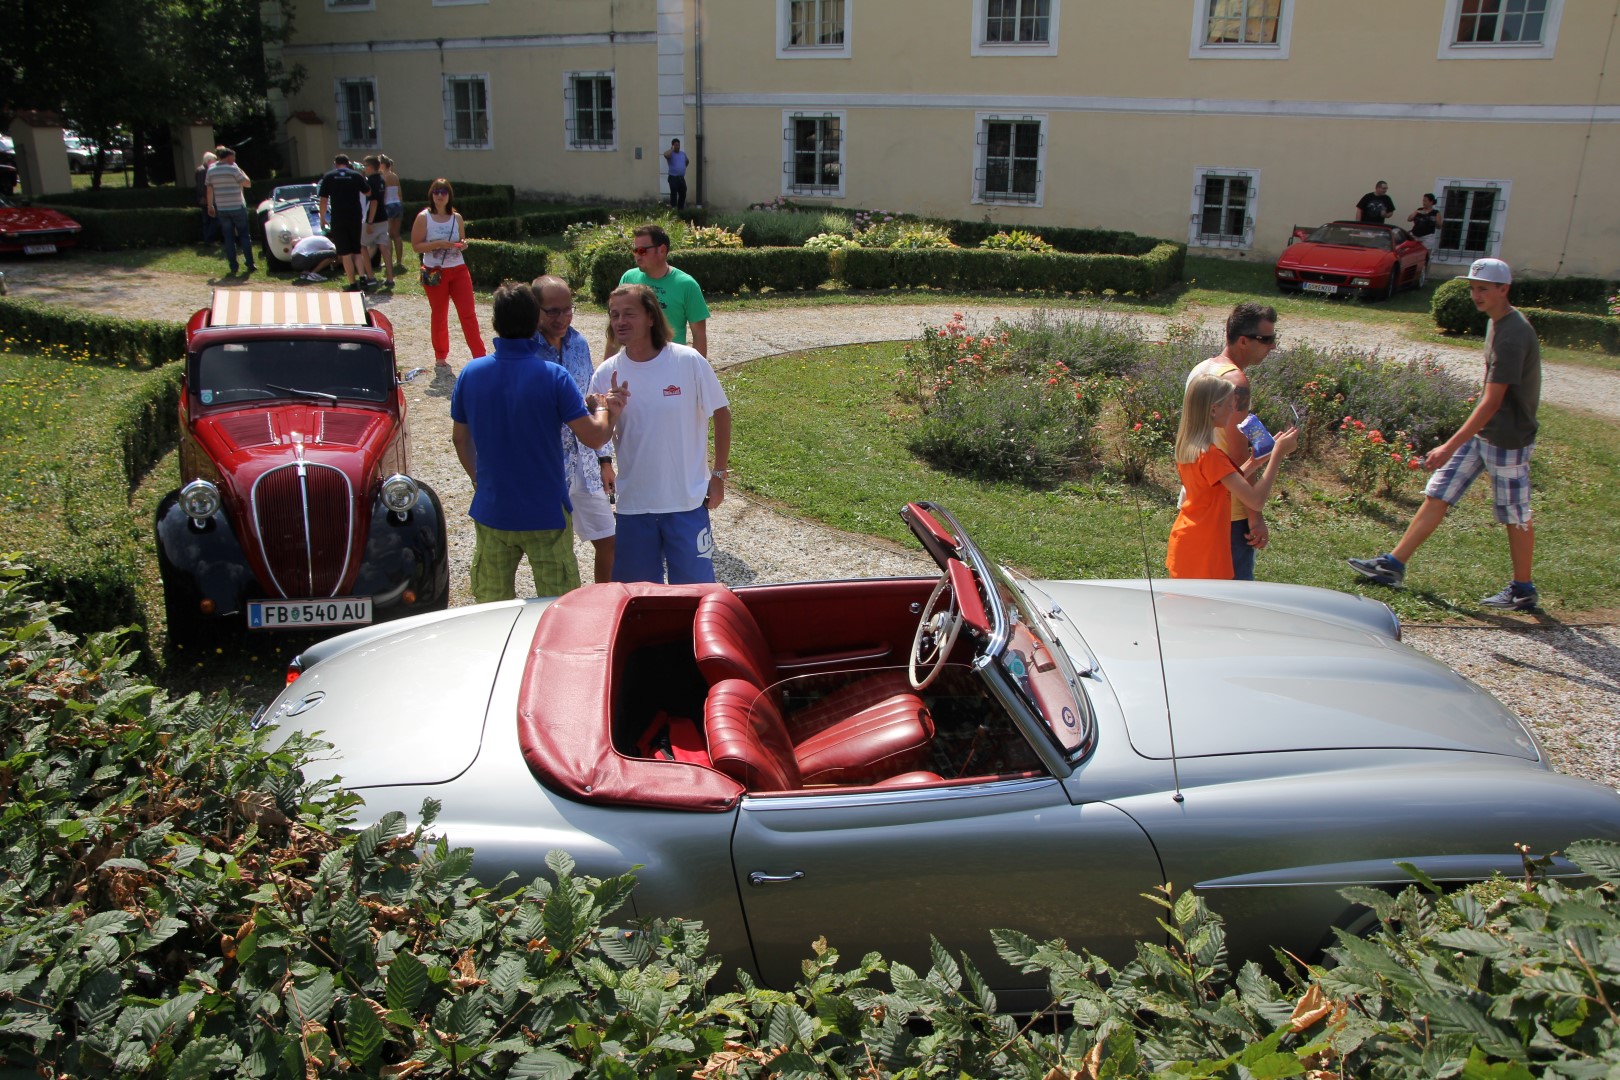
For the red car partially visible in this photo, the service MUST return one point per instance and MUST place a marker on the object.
(1344, 258)
(34, 230)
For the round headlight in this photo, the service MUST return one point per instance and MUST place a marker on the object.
(200, 500)
(399, 493)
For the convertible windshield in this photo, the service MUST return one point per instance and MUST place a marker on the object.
(307, 369)
(293, 193)
(1038, 666)
(1350, 236)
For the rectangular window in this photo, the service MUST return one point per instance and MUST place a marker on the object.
(357, 112)
(1469, 221)
(1223, 207)
(1499, 22)
(815, 22)
(466, 112)
(1242, 22)
(1010, 169)
(813, 154)
(1018, 22)
(590, 110)
(350, 5)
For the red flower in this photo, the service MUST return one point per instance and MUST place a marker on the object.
(1137, 427)
(1415, 463)
(1396, 455)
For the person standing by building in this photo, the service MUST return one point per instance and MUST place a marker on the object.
(210, 222)
(678, 292)
(1251, 334)
(227, 203)
(1375, 206)
(666, 486)
(589, 469)
(439, 236)
(374, 231)
(1497, 438)
(677, 176)
(341, 193)
(506, 409)
(1426, 222)
(394, 211)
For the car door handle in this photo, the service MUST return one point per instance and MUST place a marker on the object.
(759, 877)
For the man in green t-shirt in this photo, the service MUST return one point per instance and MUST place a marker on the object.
(678, 292)
(1496, 439)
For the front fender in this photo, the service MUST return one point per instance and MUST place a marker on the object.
(201, 562)
(410, 555)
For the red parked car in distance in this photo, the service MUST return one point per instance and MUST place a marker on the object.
(34, 230)
(1344, 258)
(296, 508)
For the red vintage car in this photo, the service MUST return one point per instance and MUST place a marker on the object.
(1345, 258)
(34, 230)
(296, 508)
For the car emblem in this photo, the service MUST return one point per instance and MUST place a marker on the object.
(302, 705)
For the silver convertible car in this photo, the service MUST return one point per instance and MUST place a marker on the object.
(883, 760)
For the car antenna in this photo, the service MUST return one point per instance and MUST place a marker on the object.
(1158, 645)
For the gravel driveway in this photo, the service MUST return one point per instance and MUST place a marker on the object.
(1563, 677)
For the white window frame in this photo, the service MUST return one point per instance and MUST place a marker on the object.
(1493, 242)
(1207, 50)
(812, 191)
(446, 89)
(570, 142)
(978, 46)
(1451, 49)
(346, 137)
(786, 50)
(981, 152)
(1196, 237)
(351, 5)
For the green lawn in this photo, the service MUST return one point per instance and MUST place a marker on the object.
(820, 433)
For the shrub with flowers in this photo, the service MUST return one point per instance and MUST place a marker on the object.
(711, 236)
(1614, 304)
(830, 242)
(1378, 463)
(1017, 240)
(992, 412)
(904, 235)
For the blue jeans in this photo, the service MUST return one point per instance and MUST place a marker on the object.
(234, 223)
(1242, 553)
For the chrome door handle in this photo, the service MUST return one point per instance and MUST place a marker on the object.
(759, 877)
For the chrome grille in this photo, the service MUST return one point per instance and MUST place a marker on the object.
(304, 527)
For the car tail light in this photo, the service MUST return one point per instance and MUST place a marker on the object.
(295, 668)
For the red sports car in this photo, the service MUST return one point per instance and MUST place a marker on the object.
(1346, 257)
(34, 230)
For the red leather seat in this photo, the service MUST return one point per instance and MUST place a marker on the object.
(729, 644)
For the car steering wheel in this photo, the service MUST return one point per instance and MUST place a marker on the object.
(936, 634)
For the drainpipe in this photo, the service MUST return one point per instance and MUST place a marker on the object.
(697, 68)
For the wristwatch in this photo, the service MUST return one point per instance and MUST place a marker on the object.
(719, 474)
(604, 461)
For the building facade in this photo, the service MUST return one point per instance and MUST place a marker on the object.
(1220, 122)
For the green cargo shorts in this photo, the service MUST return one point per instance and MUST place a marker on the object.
(496, 554)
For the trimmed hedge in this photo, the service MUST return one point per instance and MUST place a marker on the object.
(141, 343)
(114, 230)
(974, 269)
(725, 271)
(126, 198)
(491, 262)
(544, 223)
(1454, 313)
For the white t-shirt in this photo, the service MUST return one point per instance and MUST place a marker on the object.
(662, 436)
(314, 247)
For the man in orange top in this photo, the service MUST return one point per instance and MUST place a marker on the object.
(1251, 334)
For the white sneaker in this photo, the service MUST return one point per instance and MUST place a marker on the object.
(312, 276)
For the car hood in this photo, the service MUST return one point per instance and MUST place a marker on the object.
(1348, 260)
(426, 732)
(1256, 668)
(34, 218)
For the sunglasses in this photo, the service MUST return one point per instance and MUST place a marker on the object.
(441, 191)
(556, 311)
(642, 249)
(1264, 339)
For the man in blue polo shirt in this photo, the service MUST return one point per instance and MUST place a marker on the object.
(507, 408)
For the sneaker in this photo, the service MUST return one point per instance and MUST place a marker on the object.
(1382, 569)
(355, 286)
(312, 276)
(1512, 598)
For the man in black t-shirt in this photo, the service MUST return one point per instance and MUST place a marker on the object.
(341, 194)
(1376, 205)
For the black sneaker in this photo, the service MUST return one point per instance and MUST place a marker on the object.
(355, 286)
(1512, 598)
(1382, 569)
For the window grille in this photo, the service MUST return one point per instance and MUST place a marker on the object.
(590, 111)
(466, 112)
(357, 112)
(1012, 154)
(815, 164)
(1242, 22)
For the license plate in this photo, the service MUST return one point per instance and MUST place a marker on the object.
(39, 249)
(294, 614)
(1314, 286)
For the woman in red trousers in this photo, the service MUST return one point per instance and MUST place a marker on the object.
(440, 236)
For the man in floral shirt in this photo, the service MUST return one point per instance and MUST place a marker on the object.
(590, 472)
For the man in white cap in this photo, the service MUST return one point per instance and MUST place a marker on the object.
(1497, 438)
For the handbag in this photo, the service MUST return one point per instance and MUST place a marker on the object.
(430, 276)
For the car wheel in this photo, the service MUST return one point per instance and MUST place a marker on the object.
(185, 627)
(271, 261)
(1394, 285)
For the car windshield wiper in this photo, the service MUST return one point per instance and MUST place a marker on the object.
(318, 395)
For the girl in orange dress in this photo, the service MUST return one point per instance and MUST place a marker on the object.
(1201, 539)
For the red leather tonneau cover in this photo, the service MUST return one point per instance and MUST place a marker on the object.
(564, 711)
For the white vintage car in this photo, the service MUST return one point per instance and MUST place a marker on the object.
(288, 215)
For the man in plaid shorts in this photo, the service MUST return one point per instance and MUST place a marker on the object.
(1497, 438)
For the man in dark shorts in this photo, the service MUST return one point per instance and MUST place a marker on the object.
(341, 192)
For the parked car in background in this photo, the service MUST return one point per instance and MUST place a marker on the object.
(894, 760)
(296, 508)
(34, 230)
(1348, 258)
(81, 153)
(291, 213)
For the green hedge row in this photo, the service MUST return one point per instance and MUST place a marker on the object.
(973, 269)
(114, 230)
(140, 343)
(725, 271)
(127, 198)
(544, 223)
(1454, 313)
(970, 234)
(491, 262)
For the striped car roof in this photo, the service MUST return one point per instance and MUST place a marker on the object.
(237, 307)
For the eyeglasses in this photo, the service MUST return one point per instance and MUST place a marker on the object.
(556, 311)
(642, 249)
(1264, 339)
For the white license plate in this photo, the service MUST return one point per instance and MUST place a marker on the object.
(1316, 286)
(294, 614)
(38, 249)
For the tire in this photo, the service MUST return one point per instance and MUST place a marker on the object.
(1394, 285)
(185, 629)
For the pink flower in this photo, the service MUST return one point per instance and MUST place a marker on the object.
(1138, 426)
(1358, 425)
(1396, 455)
(1349, 420)
(1051, 382)
(1156, 416)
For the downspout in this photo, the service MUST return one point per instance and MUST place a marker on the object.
(697, 70)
